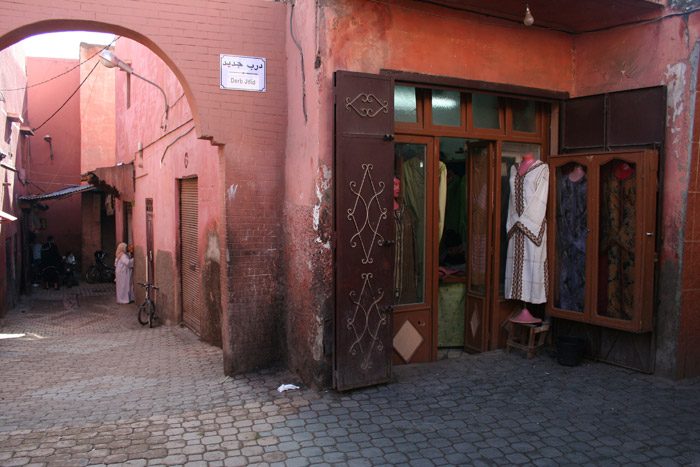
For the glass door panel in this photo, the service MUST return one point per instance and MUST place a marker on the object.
(415, 224)
(571, 236)
(478, 218)
(410, 219)
(616, 239)
(479, 210)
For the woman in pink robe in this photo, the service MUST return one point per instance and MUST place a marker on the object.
(124, 266)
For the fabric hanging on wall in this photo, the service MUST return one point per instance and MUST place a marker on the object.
(572, 227)
(526, 263)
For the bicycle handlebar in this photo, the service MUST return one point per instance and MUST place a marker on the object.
(147, 285)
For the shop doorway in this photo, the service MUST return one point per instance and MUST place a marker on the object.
(443, 214)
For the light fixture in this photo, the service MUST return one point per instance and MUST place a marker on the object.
(529, 20)
(110, 60)
(47, 138)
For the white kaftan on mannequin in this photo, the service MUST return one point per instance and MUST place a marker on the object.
(526, 263)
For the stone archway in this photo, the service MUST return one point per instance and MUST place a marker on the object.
(246, 127)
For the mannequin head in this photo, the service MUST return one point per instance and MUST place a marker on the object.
(528, 160)
(623, 171)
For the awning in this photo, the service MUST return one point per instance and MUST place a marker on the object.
(57, 194)
(5, 217)
(117, 180)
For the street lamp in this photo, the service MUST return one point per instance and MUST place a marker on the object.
(110, 60)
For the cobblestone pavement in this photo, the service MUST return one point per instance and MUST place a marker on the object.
(85, 384)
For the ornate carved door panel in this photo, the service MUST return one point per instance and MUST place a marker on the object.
(364, 255)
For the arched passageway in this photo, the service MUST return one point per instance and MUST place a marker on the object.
(189, 41)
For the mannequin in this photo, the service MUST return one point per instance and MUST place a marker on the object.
(526, 263)
(572, 228)
(623, 171)
(577, 173)
(526, 163)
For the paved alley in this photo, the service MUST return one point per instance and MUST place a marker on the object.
(82, 383)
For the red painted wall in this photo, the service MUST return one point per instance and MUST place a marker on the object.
(13, 145)
(49, 174)
(97, 112)
(689, 326)
(366, 36)
(167, 156)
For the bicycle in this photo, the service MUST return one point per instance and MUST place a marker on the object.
(147, 310)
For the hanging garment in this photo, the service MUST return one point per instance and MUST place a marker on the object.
(618, 219)
(405, 278)
(572, 225)
(414, 197)
(526, 262)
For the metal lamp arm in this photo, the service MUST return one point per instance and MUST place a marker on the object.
(165, 98)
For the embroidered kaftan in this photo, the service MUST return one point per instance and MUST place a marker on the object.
(526, 262)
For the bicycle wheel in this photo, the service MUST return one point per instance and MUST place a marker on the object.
(144, 313)
(92, 275)
(151, 313)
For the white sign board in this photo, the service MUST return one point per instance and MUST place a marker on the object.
(242, 73)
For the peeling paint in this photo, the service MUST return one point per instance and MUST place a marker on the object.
(231, 192)
(675, 81)
(317, 346)
(212, 251)
(322, 186)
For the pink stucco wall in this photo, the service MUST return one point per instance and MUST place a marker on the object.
(167, 155)
(97, 116)
(250, 128)
(63, 218)
(12, 81)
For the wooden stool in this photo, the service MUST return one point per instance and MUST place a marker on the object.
(526, 337)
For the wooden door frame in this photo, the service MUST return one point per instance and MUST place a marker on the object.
(431, 232)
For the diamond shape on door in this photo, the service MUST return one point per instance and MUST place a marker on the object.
(407, 341)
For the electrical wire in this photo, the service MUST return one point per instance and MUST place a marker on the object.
(301, 52)
(175, 141)
(69, 98)
(67, 71)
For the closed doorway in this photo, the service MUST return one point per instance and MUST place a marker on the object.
(189, 254)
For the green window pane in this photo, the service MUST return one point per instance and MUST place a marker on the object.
(405, 107)
(485, 111)
(446, 108)
(524, 116)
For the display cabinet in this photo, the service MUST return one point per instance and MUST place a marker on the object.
(602, 217)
